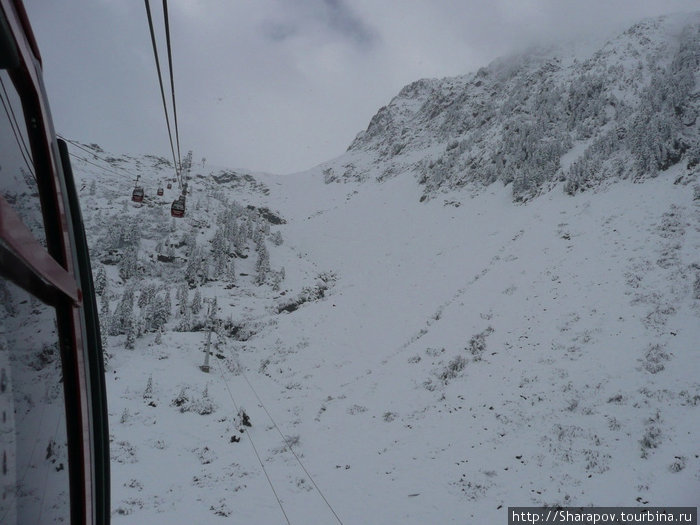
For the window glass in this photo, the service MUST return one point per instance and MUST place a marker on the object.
(33, 443)
(34, 470)
(17, 178)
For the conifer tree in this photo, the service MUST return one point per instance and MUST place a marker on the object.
(104, 323)
(146, 296)
(182, 297)
(104, 304)
(161, 310)
(123, 314)
(231, 272)
(129, 263)
(196, 302)
(130, 334)
(262, 267)
(100, 281)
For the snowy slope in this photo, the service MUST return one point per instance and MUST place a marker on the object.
(466, 355)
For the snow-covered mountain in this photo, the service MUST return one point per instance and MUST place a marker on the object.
(406, 362)
(626, 111)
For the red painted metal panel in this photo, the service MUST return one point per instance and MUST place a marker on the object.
(24, 245)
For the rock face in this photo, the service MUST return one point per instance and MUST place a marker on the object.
(629, 110)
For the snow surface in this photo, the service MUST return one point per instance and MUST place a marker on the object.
(467, 355)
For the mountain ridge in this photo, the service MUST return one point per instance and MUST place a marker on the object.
(534, 120)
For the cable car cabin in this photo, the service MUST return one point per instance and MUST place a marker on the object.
(137, 194)
(178, 208)
(54, 440)
(170, 186)
(160, 192)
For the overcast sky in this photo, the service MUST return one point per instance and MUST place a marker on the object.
(281, 85)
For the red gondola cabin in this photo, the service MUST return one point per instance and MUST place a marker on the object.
(137, 195)
(160, 192)
(178, 208)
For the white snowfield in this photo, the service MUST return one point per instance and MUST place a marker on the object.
(467, 355)
(410, 353)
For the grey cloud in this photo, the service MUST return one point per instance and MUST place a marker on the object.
(277, 31)
(332, 19)
(340, 18)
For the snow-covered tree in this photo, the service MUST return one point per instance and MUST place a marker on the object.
(262, 266)
(182, 298)
(231, 272)
(162, 307)
(130, 334)
(148, 293)
(276, 238)
(196, 305)
(100, 280)
(123, 314)
(196, 269)
(128, 265)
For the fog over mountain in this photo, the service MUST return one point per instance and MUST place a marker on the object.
(627, 111)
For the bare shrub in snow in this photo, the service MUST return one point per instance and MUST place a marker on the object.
(181, 400)
(221, 509)
(678, 464)
(452, 369)
(477, 344)
(289, 442)
(654, 358)
(205, 455)
(652, 435)
(123, 452)
(202, 405)
(276, 238)
(125, 416)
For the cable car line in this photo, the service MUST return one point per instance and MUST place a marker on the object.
(15, 125)
(162, 91)
(93, 164)
(177, 208)
(79, 146)
(104, 168)
(24, 150)
(235, 406)
(172, 82)
(289, 446)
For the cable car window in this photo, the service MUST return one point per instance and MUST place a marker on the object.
(34, 463)
(34, 482)
(17, 179)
